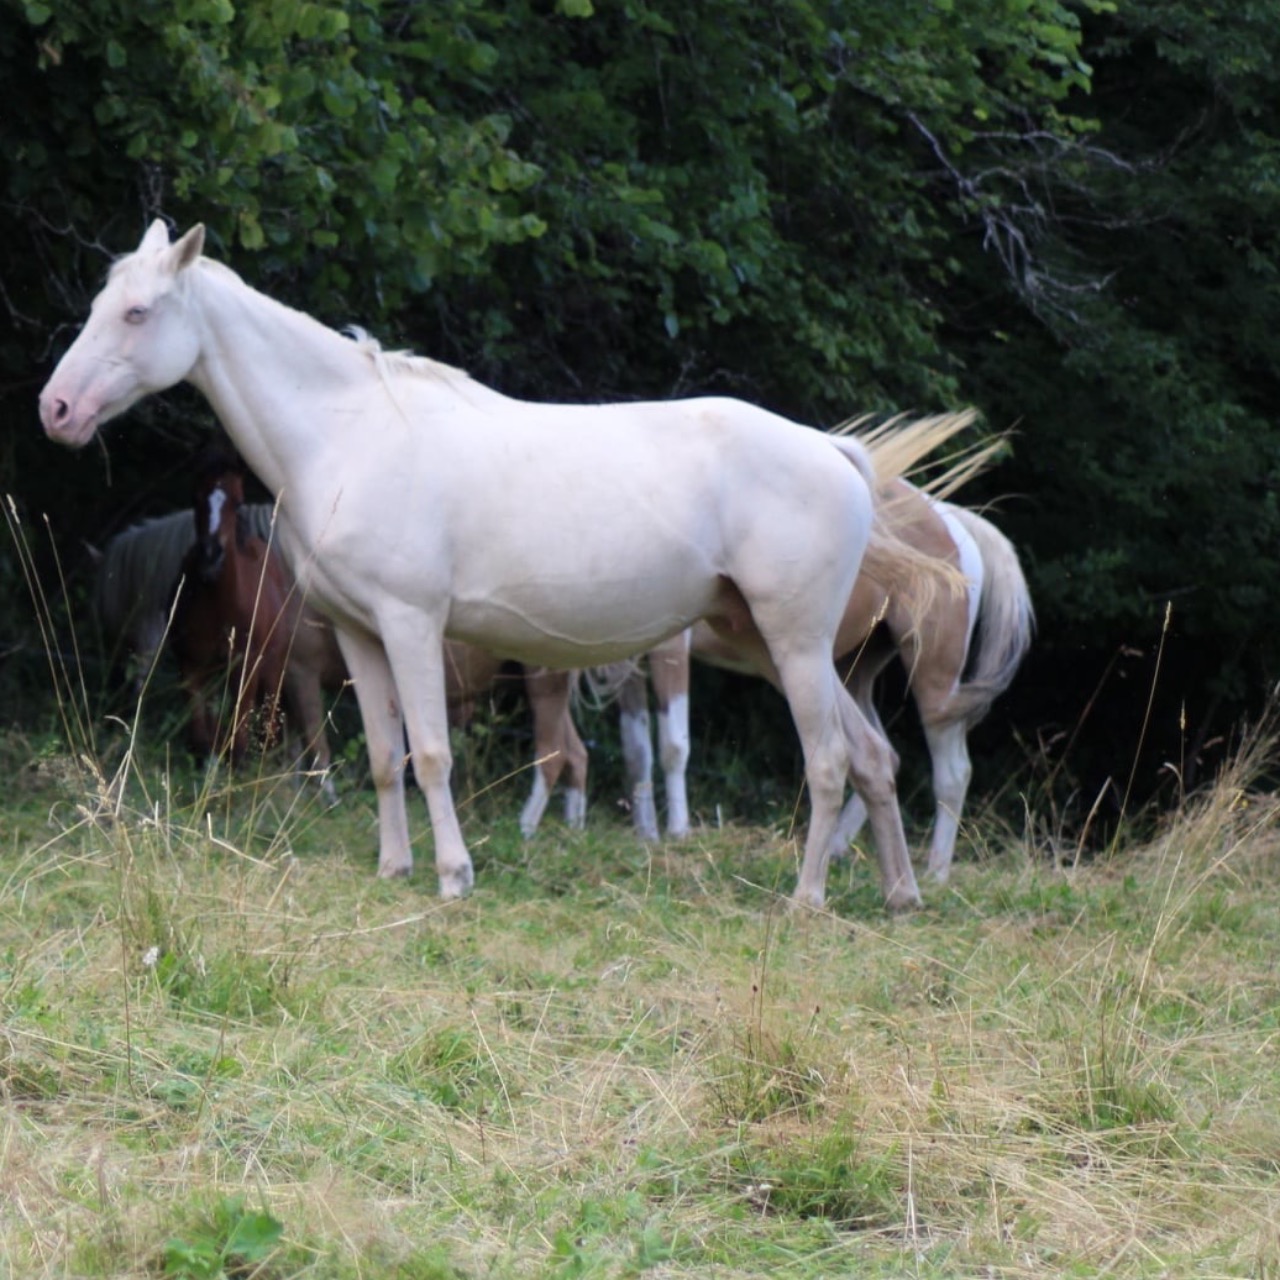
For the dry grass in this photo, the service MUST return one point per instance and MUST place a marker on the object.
(612, 1060)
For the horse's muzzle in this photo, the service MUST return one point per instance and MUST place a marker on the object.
(211, 560)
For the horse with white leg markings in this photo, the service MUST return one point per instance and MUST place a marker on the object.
(666, 667)
(415, 503)
(953, 684)
(960, 652)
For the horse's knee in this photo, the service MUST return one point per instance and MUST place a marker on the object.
(874, 771)
(825, 774)
(432, 764)
(385, 767)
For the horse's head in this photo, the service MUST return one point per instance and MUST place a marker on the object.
(139, 338)
(219, 495)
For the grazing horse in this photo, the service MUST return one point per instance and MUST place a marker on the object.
(234, 613)
(416, 503)
(957, 664)
(953, 679)
(666, 668)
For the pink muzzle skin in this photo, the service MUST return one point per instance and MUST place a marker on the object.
(63, 424)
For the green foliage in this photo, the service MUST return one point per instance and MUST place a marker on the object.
(1064, 211)
(232, 1241)
(825, 1175)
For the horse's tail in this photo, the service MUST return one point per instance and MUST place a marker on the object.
(884, 454)
(1006, 621)
(596, 688)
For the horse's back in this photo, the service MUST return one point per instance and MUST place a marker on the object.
(571, 535)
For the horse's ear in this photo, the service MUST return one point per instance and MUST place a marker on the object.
(157, 237)
(188, 249)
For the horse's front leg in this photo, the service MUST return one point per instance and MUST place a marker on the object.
(384, 735)
(414, 643)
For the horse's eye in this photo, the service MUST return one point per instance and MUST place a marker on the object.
(135, 315)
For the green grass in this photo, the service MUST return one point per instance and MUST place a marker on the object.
(226, 1048)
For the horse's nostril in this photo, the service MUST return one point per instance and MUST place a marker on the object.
(60, 410)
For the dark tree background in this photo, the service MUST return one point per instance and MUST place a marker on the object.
(1063, 213)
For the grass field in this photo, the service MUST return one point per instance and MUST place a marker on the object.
(228, 1049)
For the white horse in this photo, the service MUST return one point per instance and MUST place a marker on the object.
(416, 503)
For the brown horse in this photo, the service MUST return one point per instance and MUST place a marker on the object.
(132, 592)
(234, 612)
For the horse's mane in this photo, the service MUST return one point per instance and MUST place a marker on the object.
(408, 363)
(139, 567)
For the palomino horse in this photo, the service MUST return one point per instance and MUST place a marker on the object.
(957, 665)
(415, 502)
(953, 680)
(233, 615)
(132, 593)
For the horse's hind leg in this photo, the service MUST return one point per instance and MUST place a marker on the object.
(873, 768)
(860, 682)
(557, 749)
(669, 672)
(949, 750)
(575, 757)
(637, 751)
(837, 741)
(809, 682)
(935, 674)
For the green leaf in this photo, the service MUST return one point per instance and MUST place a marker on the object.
(254, 1236)
(575, 8)
(251, 232)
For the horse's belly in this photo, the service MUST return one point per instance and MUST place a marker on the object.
(568, 623)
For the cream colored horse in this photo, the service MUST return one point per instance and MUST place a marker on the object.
(416, 503)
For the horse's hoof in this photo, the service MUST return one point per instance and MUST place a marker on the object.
(901, 903)
(395, 871)
(456, 884)
(806, 902)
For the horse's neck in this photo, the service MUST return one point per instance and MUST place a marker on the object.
(269, 371)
